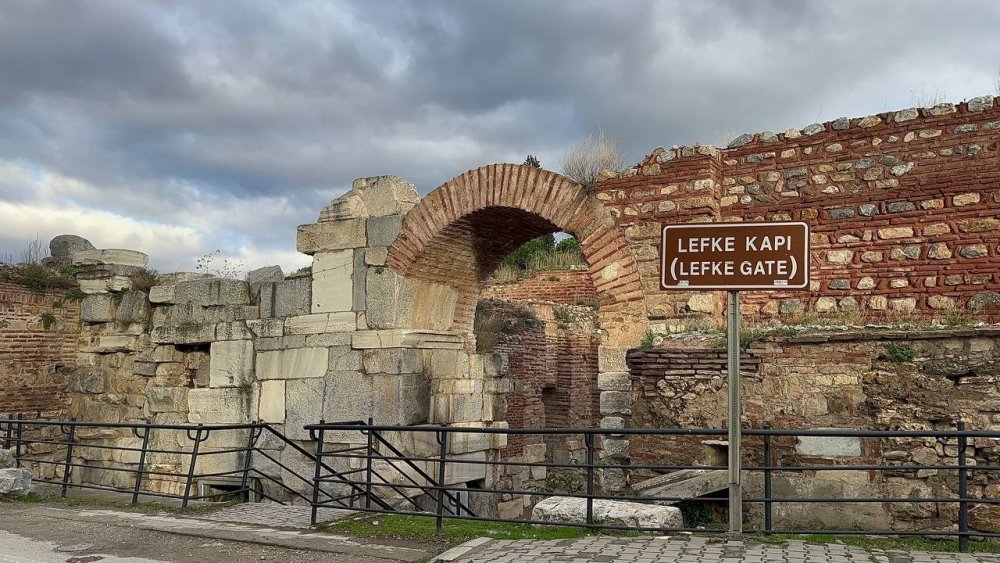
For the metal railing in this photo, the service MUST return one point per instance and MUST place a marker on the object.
(429, 471)
(421, 485)
(177, 457)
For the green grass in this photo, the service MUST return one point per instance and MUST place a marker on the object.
(908, 543)
(407, 527)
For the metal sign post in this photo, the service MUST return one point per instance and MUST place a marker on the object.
(733, 257)
(733, 387)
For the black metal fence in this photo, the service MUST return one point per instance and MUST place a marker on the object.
(421, 484)
(474, 473)
(164, 461)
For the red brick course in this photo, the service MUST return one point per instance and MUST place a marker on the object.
(568, 287)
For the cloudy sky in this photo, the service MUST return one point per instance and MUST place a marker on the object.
(178, 127)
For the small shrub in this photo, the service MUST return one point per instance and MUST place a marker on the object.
(596, 153)
(303, 271)
(75, 294)
(957, 319)
(899, 353)
(35, 277)
(496, 320)
(214, 264)
(647, 340)
(144, 280)
(748, 335)
(48, 320)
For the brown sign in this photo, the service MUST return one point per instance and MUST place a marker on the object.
(734, 256)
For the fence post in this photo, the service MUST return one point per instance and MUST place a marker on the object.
(368, 465)
(141, 470)
(254, 434)
(69, 457)
(18, 438)
(317, 472)
(588, 440)
(442, 437)
(963, 490)
(8, 431)
(767, 484)
(198, 438)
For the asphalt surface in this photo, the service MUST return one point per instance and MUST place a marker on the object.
(31, 532)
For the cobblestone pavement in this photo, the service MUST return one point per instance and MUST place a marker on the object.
(693, 550)
(273, 515)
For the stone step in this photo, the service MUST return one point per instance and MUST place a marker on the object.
(685, 484)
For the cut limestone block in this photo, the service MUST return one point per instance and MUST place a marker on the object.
(297, 363)
(117, 256)
(271, 405)
(97, 308)
(685, 483)
(218, 406)
(286, 298)
(332, 289)
(321, 323)
(335, 235)
(231, 364)
(213, 292)
(571, 510)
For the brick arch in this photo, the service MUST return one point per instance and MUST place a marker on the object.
(460, 232)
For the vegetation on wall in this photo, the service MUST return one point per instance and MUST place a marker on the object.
(496, 320)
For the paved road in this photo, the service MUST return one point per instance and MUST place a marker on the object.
(692, 550)
(79, 535)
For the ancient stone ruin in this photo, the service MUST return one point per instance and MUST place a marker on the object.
(902, 208)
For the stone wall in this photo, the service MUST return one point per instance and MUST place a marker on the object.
(38, 338)
(791, 383)
(900, 206)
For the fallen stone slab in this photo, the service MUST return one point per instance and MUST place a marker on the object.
(571, 510)
(686, 483)
(115, 256)
(14, 482)
(6, 459)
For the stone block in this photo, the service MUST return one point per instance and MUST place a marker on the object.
(62, 247)
(333, 235)
(102, 283)
(615, 402)
(388, 298)
(332, 281)
(616, 448)
(360, 288)
(611, 359)
(614, 381)
(14, 482)
(280, 343)
(266, 328)
(457, 472)
(467, 407)
(382, 231)
(218, 406)
(572, 510)
(271, 403)
(448, 363)
(113, 256)
(265, 274)
(303, 405)
(349, 397)
(231, 363)
(236, 330)
(166, 399)
(344, 358)
(321, 323)
(109, 344)
(183, 334)
(828, 446)
(133, 307)
(213, 292)
(97, 308)
(288, 298)
(164, 294)
(404, 399)
(386, 195)
(392, 361)
(329, 339)
(376, 256)
(298, 363)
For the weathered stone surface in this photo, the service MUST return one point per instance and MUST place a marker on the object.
(292, 364)
(839, 256)
(286, 299)
(685, 483)
(266, 328)
(265, 274)
(218, 406)
(321, 323)
(382, 231)
(349, 397)
(303, 405)
(332, 289)
(133, 307)
(166, 399)
(608, 512)
(344, 358)
(62, 247)
(280, 343)
(962, 200)
(973, 251)
(616, 402)
(744, 139)
(895, 232)
(614, 381)
(701, 303)
(97, 308)
(828, 446)
(940, 302)
(115, 256)
(110, 344)
(985, 518)
(985, 301)
(359, 296)
(980, 103)
(335, 235)
(271, 403)
(386, 195)
(388, 296)
(405, 399)
(213, 292)
(183, 334)
(7, 459)
(231, 363)
(15, 482)
(392, 361)
(162, 294)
